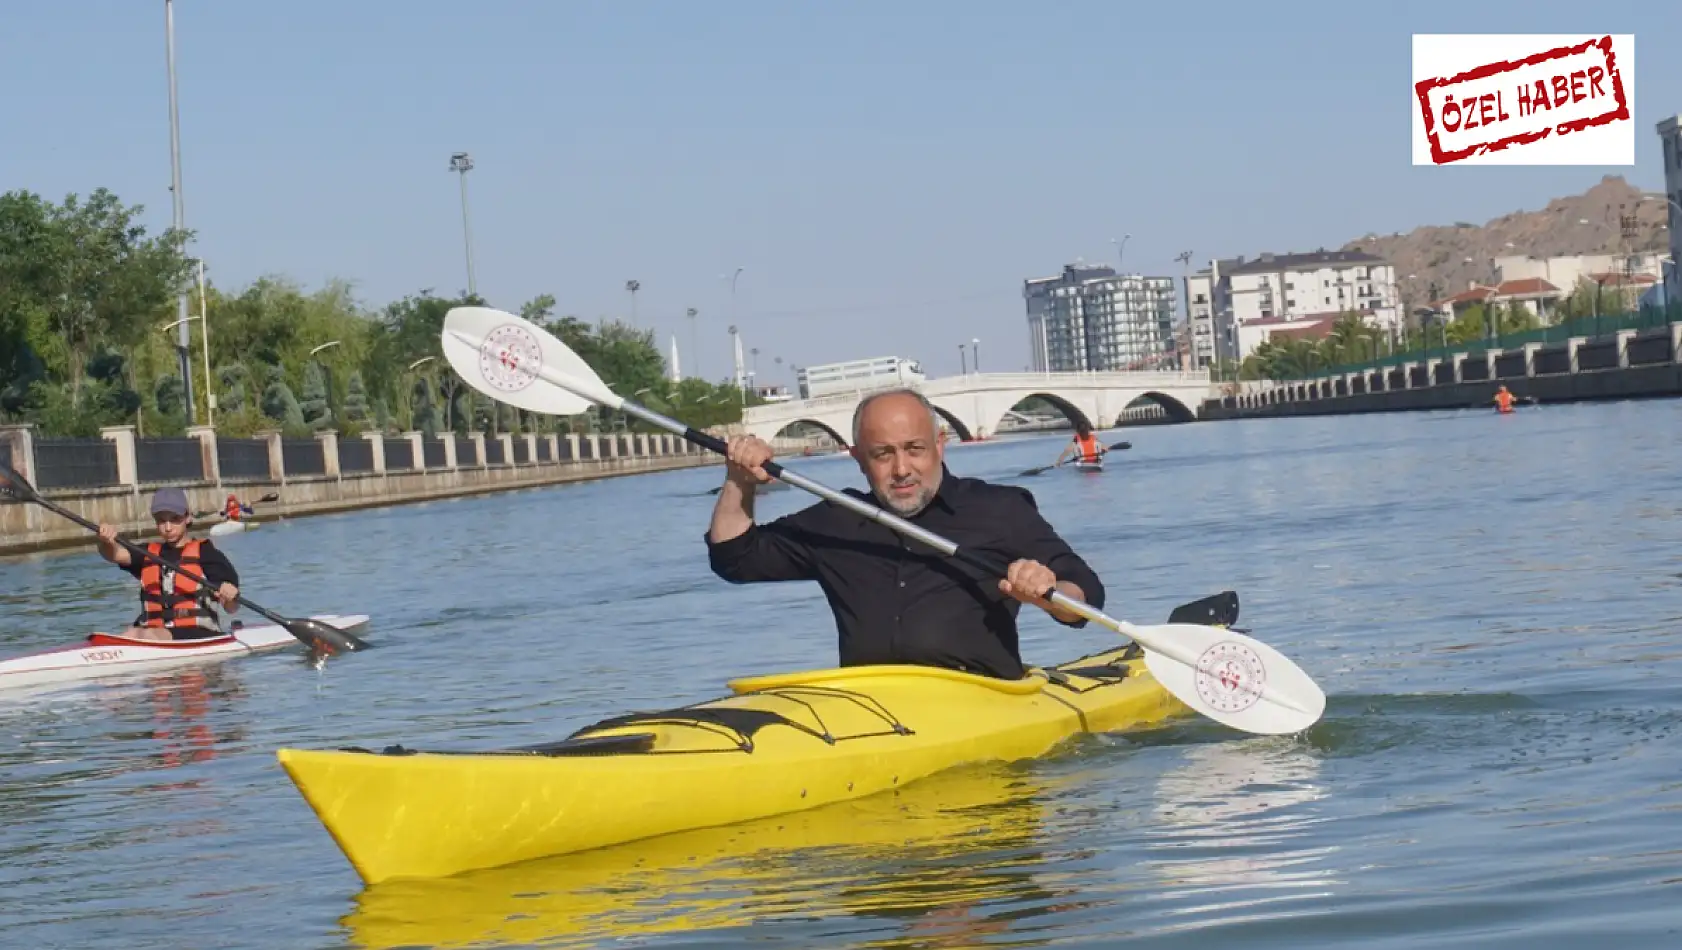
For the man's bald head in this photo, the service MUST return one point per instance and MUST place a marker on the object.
(896, 441)
(876, 405)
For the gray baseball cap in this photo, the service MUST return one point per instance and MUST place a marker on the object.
(170, 501)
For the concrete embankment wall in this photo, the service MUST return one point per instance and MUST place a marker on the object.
(111, 479)
(1630, 364)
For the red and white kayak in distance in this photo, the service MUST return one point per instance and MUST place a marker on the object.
(102, 654)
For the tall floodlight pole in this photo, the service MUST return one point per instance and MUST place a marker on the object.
(738, 273)
(462, 163)
(183, 339)
(633, 286)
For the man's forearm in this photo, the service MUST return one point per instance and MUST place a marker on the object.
(733, 514)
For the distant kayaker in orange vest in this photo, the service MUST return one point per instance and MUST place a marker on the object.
(234, 511)
(1503, 400)
(173, 607)
(1085, 445)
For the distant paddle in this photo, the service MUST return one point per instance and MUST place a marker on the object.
(1118, 447)
(1228, 677)
(324, 639)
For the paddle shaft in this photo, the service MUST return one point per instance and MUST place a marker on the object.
(879, 515)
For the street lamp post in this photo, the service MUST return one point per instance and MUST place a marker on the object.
(204, 337)
(694, 342)
(183, 338)
(173, 324)
(1120, 251)
(633, 286)
(963, 364)
(975, 354)
(462, 163)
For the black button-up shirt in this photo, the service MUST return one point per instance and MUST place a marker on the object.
(895, 599)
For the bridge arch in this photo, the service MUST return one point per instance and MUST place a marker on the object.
(1176, 410)
(816, 424)
(957, 424)
(1069, 410)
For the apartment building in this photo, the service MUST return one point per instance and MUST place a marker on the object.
(1298, 286)
(1090, 318)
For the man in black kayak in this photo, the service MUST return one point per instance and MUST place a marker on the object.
(896, 600)
(172, 606)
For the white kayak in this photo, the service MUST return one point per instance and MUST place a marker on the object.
(1096, 465)
(103, 654)
(231, 527)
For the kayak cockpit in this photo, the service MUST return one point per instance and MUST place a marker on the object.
(113, 640)
(861, 674)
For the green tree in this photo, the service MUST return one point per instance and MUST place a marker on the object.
(230, 381)
(167, 395)
(79, 274)
(280, 404)
(356, 400)
(317, 414)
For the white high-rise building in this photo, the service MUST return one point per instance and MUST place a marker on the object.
(1091, 318)
(1670, 132)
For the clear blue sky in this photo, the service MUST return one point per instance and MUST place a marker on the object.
(887, 172)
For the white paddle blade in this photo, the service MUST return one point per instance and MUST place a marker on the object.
(516, 362)
(1233, 679)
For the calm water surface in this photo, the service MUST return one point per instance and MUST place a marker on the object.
(1492, 604)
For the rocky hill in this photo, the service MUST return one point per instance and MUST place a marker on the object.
(1578, 224)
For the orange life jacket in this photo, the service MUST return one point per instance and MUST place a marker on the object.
(1088, 447)
(234, 510)
(172, 600)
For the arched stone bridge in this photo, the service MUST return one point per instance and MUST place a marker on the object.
(973, 405)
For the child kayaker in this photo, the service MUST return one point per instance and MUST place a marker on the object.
(173, 606)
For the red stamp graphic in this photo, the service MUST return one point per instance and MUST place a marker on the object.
(1510, 103)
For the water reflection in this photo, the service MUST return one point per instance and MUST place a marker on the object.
(929, 858)
(1231, 835)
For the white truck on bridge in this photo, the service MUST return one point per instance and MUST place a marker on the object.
(879, 372)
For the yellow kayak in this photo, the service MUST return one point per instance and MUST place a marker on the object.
(777, 744)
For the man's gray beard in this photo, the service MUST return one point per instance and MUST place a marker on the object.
(914, 506)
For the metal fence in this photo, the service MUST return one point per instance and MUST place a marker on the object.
(303, 457)
(467, 454)
(432, 450)
(243, 458)
(356, 456)
(168, 460)
(545, 449)
(399, 455)
(75, 463)
(1590, 327)
(493, 451)
(522, 450)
